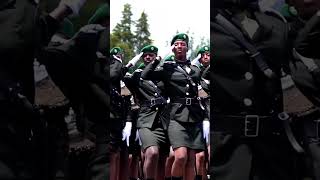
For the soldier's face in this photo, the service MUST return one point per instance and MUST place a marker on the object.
(149, 57)
(180, 48)
(205, 59)
(306, 8)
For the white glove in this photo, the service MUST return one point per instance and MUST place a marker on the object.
(122, 84)
(138, 138)
(134, 60)
(196, 61)
(126, 132)
(74, 5)
(117, 58)
(206, 130)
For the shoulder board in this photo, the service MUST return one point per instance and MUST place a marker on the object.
(276, 14)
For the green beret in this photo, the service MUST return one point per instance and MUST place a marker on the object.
(180, 36)
(203, 50)
(169, 58)
(116, 50)
(66, 28)
(149, 49)
(101, 13)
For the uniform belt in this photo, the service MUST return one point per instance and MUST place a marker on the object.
(185, 101)
(154, 102)
(247, 126)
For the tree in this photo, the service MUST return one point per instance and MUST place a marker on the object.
(142, 34)
(122, 35)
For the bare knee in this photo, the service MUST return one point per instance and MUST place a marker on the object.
(200, 158)
(180, 157)
(152, 154)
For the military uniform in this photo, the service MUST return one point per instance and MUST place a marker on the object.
(117, 72)
(22, 155)
(186, 115)
(133, 110)
(249, 141)
(82, 78)
(151, 120)
(98, 167)
(306, 78)
(205, 80)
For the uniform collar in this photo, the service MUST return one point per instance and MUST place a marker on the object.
(182, 63)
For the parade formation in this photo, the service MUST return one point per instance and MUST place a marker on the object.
(160, 116)
(172, 123)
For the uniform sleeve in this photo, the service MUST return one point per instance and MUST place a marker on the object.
(308, 38)
(124, 70)
(131, 80)
(128, 112)
(151, 73)
(115, 71)
(206, 73)
(47, 27)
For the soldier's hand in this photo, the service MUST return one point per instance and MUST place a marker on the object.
(158, 58)
(126, 132)
(74, 5)
(134, 60)
(138, 137)
(206, 130)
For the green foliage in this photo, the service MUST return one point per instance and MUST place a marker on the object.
(123, 36)
(142, 34)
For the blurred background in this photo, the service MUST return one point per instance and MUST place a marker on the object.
(85, 13)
